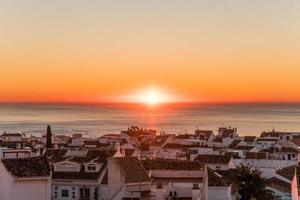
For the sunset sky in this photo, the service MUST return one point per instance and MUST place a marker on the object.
(192, 50)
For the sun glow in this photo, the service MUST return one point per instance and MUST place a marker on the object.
(151, 97)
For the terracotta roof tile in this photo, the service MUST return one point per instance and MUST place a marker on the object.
(280, 185)
(159, 140)
(82, 175)
(27, 167)
(185, 136)
(287, 172)
(256, 155)
(249, 138)
(218, 139)
(134, 170)
(99, 155)
(267, 140)
(216, 180)
(220, 159)
(244, 148)
(234, 143)
(171, 165)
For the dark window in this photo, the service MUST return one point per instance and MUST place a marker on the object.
(64, 193)
(87, 193)
(91, 167)
(84, 193)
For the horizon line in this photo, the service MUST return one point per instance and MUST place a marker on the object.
(139, 103)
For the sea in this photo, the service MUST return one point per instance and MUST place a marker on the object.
(98, 119)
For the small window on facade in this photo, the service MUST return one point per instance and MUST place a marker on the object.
(92, 167)
(64, 193)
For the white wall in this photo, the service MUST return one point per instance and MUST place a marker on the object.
(31, 189)
(266, 163)
(5, 184)
(103, 192)
(219, 193)
(71, 188)
(23, 189)
(116, 179)
(177, 173)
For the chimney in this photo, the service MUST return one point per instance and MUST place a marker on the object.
(118, 153)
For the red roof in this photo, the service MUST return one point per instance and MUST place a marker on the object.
(287, 172)
(217, 159)
(27, 167)
(249, 138)
(217, 180)
(171, 165)
(159, 140)
(280, 185)
(133, 169)
(234, 143)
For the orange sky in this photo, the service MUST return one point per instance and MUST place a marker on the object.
(212, 51)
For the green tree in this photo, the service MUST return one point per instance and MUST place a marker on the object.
(251, 184)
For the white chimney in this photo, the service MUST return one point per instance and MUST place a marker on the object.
(118, 153)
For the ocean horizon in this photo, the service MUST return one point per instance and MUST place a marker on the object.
(95, 120)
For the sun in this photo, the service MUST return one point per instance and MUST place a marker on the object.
(152, 97)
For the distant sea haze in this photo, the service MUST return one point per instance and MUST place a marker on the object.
(96, 120)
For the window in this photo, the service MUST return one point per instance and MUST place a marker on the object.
(84, 193)
(91, 167)
(64, 193)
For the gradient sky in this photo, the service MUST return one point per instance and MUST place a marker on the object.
(204, 50)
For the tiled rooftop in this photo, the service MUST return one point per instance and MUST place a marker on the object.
(249, 138)
(216, 180)
(280, 185)
(287, 172)
(133, 169)
(55, 154)
(234, 143)
(171, 165)
(82, 175)
(159, 140)
(244, 147)
(27, 167)
(218, 159)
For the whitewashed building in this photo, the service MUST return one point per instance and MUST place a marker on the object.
(25, 178)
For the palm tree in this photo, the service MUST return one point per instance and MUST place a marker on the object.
(251, 184)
